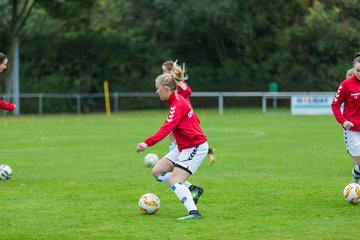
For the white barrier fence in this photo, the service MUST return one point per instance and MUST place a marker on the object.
(116, 96)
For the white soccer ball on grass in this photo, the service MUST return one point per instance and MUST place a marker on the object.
(149, 203)
(5, 172)
(352, 193)
(151, 159)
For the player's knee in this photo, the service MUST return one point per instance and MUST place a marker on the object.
(155, 172)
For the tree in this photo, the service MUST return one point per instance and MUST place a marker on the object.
(321, 48)
(21, 10)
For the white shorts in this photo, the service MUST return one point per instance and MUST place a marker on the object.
(352, 142)
(189, 159)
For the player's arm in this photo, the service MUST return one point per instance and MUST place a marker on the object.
(336, 104)
(347, 124)
(336, 108)
(174, 117)
(7, 106)
(141, 147)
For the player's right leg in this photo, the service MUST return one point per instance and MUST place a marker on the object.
(182, 192)
(188, 163)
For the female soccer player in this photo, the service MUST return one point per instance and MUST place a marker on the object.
(349, 94)
(3, 63)
(185, 91)
(192, 148)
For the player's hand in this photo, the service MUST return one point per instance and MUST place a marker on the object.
(347, 125)
(141, 147)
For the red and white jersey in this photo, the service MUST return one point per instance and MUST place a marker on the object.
(6, 106)
(349, 94)
(185, 91)
(183, 122)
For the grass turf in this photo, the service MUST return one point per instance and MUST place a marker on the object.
(79, 177)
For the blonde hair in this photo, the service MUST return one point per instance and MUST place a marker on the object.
(168, 80)
(176, 70)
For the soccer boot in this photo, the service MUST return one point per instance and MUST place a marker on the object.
(194, 214)
(211, 155)
(196, 192)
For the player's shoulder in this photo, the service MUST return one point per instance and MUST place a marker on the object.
(180, 103)
(346, 82)
(351, 80)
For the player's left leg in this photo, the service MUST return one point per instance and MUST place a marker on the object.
(189, 162)
(183, 193)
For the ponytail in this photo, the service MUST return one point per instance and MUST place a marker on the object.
(179, 72)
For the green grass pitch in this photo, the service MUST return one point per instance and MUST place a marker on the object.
(277, 176)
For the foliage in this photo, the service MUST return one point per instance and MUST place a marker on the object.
(322, 48)
(229, 45)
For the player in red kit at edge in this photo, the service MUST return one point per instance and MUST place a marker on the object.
(180, 163)
(349, 94)
(3, 63)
